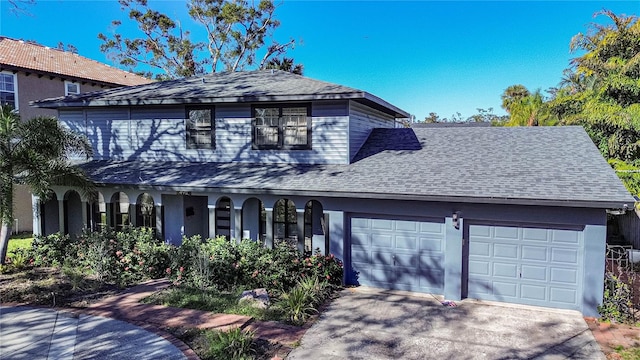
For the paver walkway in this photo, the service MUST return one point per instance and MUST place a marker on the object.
(126, 306)
(610, 336)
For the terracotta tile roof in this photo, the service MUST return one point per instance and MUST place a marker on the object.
(28, 56)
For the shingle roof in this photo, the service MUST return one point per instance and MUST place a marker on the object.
(225, 87)
(21, 55)
(542, 165)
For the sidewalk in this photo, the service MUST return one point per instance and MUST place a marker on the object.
(120, 327)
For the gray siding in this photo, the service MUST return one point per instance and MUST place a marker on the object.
(159, 134)
(361, 120)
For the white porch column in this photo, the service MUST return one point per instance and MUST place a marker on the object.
(268, 241)
(236, 232)
(133, 219)
(61, 216)
(37, 221)
(85, 218)
(212, 221)
(300, 228)
(159, 219)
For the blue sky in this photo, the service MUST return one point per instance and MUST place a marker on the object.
(423, 56)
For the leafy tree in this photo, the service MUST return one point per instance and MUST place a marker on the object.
(35, 153)
(236, 31)
(487, 115)
(433, 118)
(601, 91)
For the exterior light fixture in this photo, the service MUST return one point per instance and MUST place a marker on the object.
(456, 219)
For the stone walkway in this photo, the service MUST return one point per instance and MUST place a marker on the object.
(610, 336)
(126, 306)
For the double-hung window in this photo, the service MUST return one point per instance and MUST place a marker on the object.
(8, 90)
(200, 128)
(282, 127)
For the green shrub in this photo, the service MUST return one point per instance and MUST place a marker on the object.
(617, 305)
(318, 291)
(19, 258)
(51, 250)
(297, 305)
(233, 344)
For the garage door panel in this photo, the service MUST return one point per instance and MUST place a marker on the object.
(533, 266)
(569, 276)
(567, 296)
(480, 248)
(360, 257)
(431, 227)
(533, 272)
(480, 268)
(535, 253)
(533, 292)
(505, 270)
(382, 241)
(404, 242)
(564, 256)
(381, 224)
(480, 231)
(430, 244)
(505, 289)
(359, 239)
(505, 251)
(506, 233)
(410, 226)
(565, 237)
(398, 254)
(537, 235)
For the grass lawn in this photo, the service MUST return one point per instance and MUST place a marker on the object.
(214, 301)
(632, 353)
(19, 242)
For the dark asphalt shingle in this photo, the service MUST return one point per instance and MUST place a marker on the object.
(224, 87)
(478, 164)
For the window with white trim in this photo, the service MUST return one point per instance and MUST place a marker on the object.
(281, 127)
(8, 91)
(71, 88)
(200, 128)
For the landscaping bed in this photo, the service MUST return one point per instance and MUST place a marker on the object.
(209, 275)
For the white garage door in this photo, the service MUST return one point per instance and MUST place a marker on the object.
(398, 254)
(533, 266)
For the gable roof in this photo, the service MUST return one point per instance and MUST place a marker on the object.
(555, 166)
(25, 56)
(225, 87)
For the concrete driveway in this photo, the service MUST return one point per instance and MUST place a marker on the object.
(366, 323)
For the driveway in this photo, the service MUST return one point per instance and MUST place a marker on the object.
(366, 323)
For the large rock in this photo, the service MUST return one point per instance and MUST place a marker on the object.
(258, 298)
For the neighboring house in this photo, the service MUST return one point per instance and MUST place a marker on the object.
(31, 72)
(507, 214)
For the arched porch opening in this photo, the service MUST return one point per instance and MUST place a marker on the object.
(145, 211)
(254, 220)
(73, 218)
(224, 217)
(316, 234)
(285, 222)
(120, 211)
(49, 215)
(99, 219)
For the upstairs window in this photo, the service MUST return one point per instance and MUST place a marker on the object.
(281, 127)
(8, 91)
(200, 129)
(71, 88)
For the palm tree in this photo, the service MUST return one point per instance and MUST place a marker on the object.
(35, 153)
(284, 64)
(531, 110)
(513, 94)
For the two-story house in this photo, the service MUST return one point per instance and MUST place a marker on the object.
(29, 72)
(506, 214)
